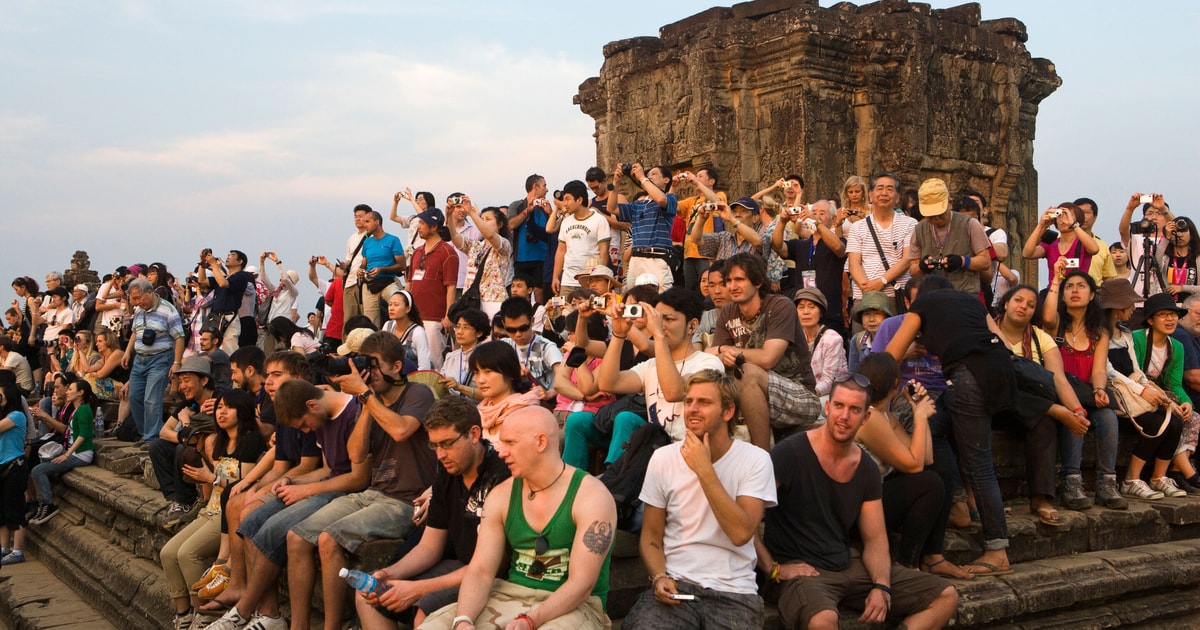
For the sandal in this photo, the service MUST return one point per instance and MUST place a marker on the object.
(990, 569)
(928, 568)
(1048, 515)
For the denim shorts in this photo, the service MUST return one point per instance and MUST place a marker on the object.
(354, 519)
(267, 527)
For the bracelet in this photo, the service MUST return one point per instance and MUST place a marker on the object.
(616, 336)
(460, 619)
(524, 617)
(883, 587)
(774, 576)
(1097, 389)
(966, 262)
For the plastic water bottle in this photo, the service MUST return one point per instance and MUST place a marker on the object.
(363, 582)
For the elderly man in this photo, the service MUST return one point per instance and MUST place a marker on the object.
(878, 246)
(948, 243)
(155, 350)
(559, 525)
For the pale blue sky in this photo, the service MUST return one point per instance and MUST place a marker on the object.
(144, 131)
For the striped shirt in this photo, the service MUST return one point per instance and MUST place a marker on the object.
(651, 223)
(164, 320)
(893, 239)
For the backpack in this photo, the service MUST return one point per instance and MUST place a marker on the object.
(625, 477)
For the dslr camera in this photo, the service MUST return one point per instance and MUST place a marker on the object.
(627, 169)
(1145, 226)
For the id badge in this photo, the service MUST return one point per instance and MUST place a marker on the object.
(418, 275)
(808, 279)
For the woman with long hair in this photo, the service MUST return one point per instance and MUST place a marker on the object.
(1073, 242)
(502, 388)
(1074, 315)
(491, 256)
(15, 475)
(229, 453)
(78, 442)
(853, 205)
(1179, 259)
(421, 201)
(85, 357)
(288, 335)
(916, 502)
(404, 321)
(107, 376)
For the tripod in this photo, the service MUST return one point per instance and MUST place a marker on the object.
(1147, 264)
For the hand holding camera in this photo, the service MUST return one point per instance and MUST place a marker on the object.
(930, 264)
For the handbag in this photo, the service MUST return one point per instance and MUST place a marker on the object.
(1129, 404)
(470, 298)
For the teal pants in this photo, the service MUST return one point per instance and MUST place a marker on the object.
(579, 435)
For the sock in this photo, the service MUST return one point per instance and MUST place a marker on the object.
(184, 613)
(1195, 480)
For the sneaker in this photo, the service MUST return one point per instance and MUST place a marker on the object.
(45, 512)
(1072, 493)
(16, 556)
(209, 575)
(184, 621)
(1107, 494)
(1182, 483)
(177, 508)
(1138, 489)
(263, 622)
(215, 586)
(1167, 486)
(231, 620)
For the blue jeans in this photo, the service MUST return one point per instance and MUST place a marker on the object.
(147, 381)
(1104, 424)
(972, 422)
(41, 476)
(579, 434)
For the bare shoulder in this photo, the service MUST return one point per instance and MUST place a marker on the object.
(594, 495)
(496, 503)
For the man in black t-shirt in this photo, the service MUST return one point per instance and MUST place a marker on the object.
(229, 293)
(820, 257)
(806, 540)
(427, 576)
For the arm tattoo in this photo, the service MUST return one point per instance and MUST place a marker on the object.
(598, 537)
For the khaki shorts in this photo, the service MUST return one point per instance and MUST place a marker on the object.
(507, 600)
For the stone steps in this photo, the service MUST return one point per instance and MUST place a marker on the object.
(31, 596)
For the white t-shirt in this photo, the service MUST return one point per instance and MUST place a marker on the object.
(56, 321)
(107, 317)
(20, 367)
(415, 336)
(583, 239)
(894, 240)
(669, 415)
(306, 344)
(351, 278)
(696, 547)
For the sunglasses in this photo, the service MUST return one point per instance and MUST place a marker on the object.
(445, 446)
(512, 330)
(859, 379)
(737, 366)
(538, 568)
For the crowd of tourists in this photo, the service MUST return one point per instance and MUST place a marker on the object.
(764, 390)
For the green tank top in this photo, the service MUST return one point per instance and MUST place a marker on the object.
(559, 533)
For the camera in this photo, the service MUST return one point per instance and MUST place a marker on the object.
(912, 391)
(795, 210)
(148, 336)
(633, 311)
(1146, 199)
(558, 195)
(206, 252)
(455, 200)
(1072, 263)
(576, 358)
(313, 260)
(787, 183)
(1145, 226)
(810, 225)
(707, 207)
(933, 262)
(557, 301)
(340, 366)
(1054, 214)
(599, 302)
(627, 169)
(1181, 225)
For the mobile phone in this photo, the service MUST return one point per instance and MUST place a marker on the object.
(633, 311)
(912, 391)
(1072, 263)
(683, 597)
(1147, 199)
(576, 358)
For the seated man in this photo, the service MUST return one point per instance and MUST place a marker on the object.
(332, 416)
(704, 498)
(401, 469)
(195, 384)
(537, 355)
(559, 525)
(428, 576)
(807, 551)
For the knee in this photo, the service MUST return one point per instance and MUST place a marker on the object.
(577, 423)
(297, 544)
(628, 421)
(824, 620)
(327, 545)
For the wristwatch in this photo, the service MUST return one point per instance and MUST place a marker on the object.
(362, 398)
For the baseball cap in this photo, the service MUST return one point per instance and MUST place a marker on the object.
(933, 197)
(746, 202)
(432, 217)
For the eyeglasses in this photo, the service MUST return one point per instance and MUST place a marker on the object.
(512, 330)
(538, 567)
(445, 446)
(859, 379)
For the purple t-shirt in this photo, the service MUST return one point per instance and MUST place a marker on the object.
(926, 370)
(333, 437)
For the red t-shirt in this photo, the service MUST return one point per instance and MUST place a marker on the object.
(428, 276)
(333, 302)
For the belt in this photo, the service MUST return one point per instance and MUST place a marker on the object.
(652, 252)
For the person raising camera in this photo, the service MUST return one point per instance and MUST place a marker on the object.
(1073, 243)
(1144, 241)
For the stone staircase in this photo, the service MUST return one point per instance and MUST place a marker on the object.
(1100, 569)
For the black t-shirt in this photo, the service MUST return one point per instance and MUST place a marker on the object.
(293, 444)
(953, 325)
(458, 509)
(828, 268)
(816, 514)
(229, 299)
(249, 448)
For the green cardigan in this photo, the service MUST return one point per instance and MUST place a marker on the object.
(1171, 378)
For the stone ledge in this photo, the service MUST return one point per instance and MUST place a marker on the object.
(31, 597)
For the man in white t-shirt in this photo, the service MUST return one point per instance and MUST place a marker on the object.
(583, 236)
(1136, 237)
(671, 321)
(13, 361)
(704, 498)
(884, 229)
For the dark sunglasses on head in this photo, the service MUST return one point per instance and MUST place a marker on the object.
(512, 330)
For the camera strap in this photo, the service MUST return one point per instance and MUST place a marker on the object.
(878, 247)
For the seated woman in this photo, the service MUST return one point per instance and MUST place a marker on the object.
(916, 503)
(502, 387)
(232, 451)
(574, 378)
(296, 338)
(107, 375)
(78, 444)
(85, 357)
(470, 329)
(1082, 334)
(404, 321)
(60, 356)
(824, 344)
(1161, 358)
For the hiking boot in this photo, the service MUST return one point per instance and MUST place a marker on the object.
(1167, 486)
(1073, 497)
(16, 556)
(1138, 489)
(1107, 494)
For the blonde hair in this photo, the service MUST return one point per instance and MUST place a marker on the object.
(851, 182)
(731, 398)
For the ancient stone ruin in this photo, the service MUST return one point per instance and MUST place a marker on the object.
(770, 87)
(81, 272)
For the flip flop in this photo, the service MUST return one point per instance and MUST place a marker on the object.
(928, 568)
(991, 569)
(1049, 516)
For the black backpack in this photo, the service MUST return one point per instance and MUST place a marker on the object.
(625, 477)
